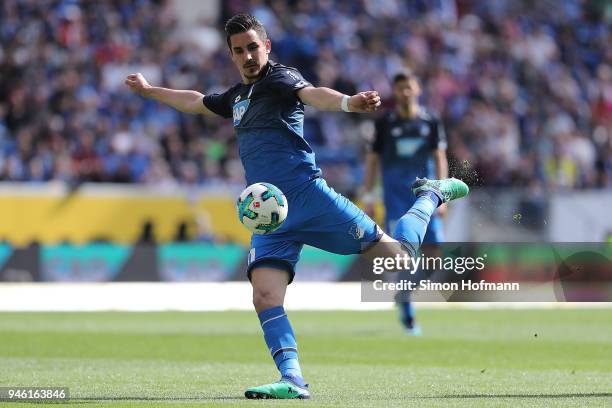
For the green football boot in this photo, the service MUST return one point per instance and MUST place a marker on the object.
(283, 389)
(446, 189)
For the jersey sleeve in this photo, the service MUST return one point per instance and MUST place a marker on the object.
(438, 137)
(219, 103)
(288, 81)
(376, 145)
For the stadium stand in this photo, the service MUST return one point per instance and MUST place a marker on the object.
(527, 100)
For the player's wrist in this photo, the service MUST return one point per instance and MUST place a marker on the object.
(148, 91)
(344, 104)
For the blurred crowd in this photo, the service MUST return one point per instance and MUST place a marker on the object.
(524, 88)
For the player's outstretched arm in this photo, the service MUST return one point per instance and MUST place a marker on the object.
(185, 101)
(331, 100)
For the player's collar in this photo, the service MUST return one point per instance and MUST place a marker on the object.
(269, 66)
(421, 113)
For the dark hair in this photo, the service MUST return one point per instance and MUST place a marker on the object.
(241, 23)
(405, 75)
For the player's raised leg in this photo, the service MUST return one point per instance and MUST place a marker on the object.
(269, 288)
(411, 227)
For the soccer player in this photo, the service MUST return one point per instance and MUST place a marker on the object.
(409, 143)
(267, 109)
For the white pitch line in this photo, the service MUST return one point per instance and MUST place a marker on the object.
(200, 296)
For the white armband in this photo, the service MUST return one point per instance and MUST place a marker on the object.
(344, 104)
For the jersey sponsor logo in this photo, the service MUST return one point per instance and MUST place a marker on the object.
(239, 110)
(408, 147)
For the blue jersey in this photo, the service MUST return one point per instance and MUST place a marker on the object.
(405, 148)
(268, 119)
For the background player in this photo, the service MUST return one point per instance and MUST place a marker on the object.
(409, 142)
(267, 109)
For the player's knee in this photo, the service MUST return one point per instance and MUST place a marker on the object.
(386, 247)
(265, 298)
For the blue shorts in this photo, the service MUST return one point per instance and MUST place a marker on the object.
(320, 217)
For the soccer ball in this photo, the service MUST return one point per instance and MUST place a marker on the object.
(262, 208)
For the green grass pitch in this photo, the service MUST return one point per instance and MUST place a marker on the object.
(351, 359)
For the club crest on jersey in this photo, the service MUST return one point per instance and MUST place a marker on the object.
(424, 130)
(239, 110)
